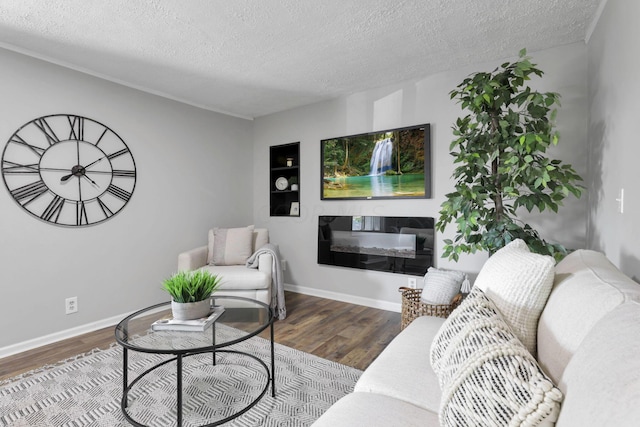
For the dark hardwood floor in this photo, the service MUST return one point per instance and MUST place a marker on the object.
(350, 334)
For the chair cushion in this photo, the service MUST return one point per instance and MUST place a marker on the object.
(518, 282)
(230, 246)
(240, 277)
(488, 377)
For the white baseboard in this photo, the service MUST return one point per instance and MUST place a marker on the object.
(112, 321)
(352, 299)
(59, 336)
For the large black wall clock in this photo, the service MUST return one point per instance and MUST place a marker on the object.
(68, 170)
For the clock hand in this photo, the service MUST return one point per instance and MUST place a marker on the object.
(76, 171)
(96, 161)
(90, 180)
(83, 174)
(109, 156)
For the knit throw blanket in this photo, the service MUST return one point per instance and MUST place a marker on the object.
(277, 281)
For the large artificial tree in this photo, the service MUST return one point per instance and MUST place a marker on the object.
(500, 153)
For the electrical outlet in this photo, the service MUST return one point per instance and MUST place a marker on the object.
(412, 282)
(620, 201)
(283, 264)
(71, 305)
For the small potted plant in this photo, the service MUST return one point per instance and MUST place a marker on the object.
(190, 293)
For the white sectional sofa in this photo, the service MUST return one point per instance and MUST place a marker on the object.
(588, 344)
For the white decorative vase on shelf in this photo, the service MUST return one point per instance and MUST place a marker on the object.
(191, 310)
(294, 187)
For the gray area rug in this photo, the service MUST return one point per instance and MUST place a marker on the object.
(86, 391)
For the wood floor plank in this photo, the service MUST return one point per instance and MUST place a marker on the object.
(350, 334)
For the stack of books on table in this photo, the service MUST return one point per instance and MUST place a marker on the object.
(171, 324)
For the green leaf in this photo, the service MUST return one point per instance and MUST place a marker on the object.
(191, 286)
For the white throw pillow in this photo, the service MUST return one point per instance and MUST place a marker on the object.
(440, 286)
(230, 246)
(462, 317)
(488, 377)
(518, 282)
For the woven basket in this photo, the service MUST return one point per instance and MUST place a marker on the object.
(412, 307)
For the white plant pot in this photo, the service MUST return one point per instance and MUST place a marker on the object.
(190, 310)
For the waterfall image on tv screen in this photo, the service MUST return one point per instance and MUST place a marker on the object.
(385, 164)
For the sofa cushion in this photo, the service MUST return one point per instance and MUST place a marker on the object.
(518, 282)
(488, 377)
(230, 246)
(395, 372)
(440, 286)
(240, 277)
(374, 410)
(602, 380)
(587, 286)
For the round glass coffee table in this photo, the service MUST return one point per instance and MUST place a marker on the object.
(245, 316)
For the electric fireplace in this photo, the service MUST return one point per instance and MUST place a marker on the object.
(383, 243)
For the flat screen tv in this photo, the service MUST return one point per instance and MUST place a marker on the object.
(394, 163)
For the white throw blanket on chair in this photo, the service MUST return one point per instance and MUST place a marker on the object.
(277, 281)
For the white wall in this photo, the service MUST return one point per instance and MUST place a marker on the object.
(194, 171)
(408, 103)
(614, 146)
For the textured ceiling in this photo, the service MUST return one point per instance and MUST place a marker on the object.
(250, 58)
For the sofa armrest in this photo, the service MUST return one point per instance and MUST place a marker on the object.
(265, 263)
(193, 259)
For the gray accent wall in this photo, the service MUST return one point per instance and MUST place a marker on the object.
(194, 171)
(614, 145)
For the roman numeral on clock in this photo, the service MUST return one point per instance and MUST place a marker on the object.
(44, 127)
(119, 192)
(124, 173)
(105, 209)
(77, 128)
(117, 153)
(53, 210)
(101, 136)
(28, 193)
(16, 168)
(81, 213)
